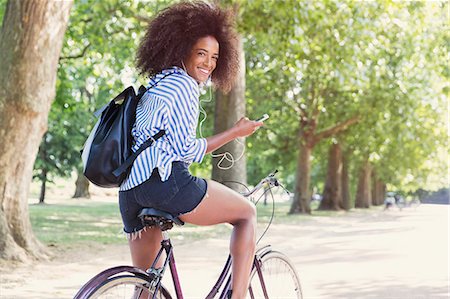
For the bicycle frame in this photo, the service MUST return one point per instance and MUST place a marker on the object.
(166, 246)
(154, 275)
(225, 275)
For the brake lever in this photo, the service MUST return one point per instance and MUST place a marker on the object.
(287, 191)
(278, 184)
(273, 173)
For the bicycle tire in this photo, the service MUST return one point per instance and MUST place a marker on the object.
(279, 275)
(125, 286)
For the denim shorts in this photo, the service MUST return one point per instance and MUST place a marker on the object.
(180, 194)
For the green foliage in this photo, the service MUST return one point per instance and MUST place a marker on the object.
(334, 59)
(381, 60)
(96, 63)
(405, 126)
(2, 10)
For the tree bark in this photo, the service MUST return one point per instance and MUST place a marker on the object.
(346, 200)
(43, 185)
(378, 190)
(332, 193)
(30, 42)
(308, 139)
(229, 109)
(363, 194)
(42, 152)
(81, 186)
(302, 194)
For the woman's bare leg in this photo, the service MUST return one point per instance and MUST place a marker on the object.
(223, 205)
(145, 248)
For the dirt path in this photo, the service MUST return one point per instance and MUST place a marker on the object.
(362, 254)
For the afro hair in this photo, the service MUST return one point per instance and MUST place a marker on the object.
(174, 31)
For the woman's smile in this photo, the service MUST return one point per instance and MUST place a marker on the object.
(202, 59)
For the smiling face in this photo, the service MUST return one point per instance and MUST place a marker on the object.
(202, 59)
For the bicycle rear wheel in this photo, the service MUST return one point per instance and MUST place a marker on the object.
(279, 278)
(126, 287)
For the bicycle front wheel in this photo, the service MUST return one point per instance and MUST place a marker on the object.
(126, 287)
(277, 278)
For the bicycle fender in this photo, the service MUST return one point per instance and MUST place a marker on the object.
(85, 291)
(263, 251)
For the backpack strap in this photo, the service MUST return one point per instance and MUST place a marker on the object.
(129, 161)
(125, 165)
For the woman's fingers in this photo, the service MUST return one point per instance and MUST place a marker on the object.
(247, 127)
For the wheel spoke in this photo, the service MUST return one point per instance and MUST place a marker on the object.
(280, 279)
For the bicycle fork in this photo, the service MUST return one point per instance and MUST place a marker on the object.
(258, 265)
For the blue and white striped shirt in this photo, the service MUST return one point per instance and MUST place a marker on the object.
(172, 105)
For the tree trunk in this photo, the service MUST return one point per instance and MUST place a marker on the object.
(43, 185)
(42, 152)
(30, 42)
(378, 190)
(302, 195)
(345, 183)
(81, 186)
(308, 139)
(332, 193)
(229, 109)
(363, 193)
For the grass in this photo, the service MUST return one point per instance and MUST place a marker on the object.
(76, 223)
(68, 224)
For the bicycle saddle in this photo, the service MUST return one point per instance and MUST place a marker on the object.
(154, 217)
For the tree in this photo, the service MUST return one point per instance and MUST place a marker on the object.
(404, 128)
(307, 55)
(321, 63)
(363, 197)
(30, 42)
(60, 148)
(95, 64)
(332, 198)
(230, 108)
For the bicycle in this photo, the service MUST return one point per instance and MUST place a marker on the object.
(400, 202)
(272, 275)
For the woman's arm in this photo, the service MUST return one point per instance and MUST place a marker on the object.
(243, 128)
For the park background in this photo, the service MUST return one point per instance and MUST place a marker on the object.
(357, 93)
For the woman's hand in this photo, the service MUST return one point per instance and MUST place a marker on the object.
(245, 127)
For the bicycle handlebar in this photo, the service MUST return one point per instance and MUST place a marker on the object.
(271, 180)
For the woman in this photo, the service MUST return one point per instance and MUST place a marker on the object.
(185, 45)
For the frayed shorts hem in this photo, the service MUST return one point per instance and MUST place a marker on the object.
(136, 234)
(179, 195)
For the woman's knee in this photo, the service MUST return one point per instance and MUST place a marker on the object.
(251, 213)
(248, 214)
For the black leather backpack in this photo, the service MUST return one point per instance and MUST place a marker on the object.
(107, 155)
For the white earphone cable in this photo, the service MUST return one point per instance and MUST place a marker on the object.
(226, 156)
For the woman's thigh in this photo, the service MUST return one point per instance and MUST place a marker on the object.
(220, 205)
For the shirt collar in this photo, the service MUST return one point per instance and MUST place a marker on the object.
(172, 70)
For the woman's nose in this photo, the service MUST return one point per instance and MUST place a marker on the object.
(208, 61)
